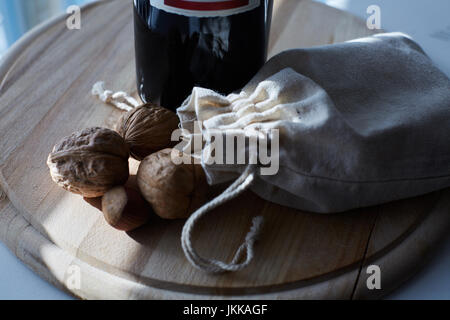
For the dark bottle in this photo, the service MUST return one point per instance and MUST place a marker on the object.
(180, 44)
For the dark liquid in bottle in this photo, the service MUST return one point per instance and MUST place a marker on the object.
(174, 52)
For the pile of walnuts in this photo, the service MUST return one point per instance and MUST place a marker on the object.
(94, 163)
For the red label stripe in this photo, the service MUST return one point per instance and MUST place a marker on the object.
(206, 6)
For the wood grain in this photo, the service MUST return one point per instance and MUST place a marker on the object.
(45, 95)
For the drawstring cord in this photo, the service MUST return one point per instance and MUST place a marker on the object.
(125, 102)
(216, 266)
(120, 99)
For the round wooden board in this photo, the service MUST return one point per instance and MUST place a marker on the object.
(45, 94)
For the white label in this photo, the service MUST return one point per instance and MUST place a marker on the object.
(203, 8)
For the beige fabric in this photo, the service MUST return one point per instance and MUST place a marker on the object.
(361, 123)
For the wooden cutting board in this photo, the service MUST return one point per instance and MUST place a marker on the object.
(45, 94)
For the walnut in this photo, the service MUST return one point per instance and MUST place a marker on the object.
(174, 191)
(125, 209)
(90, 162)
(147, 129)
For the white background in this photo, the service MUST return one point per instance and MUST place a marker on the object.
(429, 24)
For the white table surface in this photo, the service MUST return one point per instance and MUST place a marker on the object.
(428, 23)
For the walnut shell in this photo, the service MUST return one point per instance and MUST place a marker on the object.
(125, 209)
(90, 162)
(147, 129)
(174, 191)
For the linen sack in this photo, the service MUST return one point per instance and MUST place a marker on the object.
(360, 123)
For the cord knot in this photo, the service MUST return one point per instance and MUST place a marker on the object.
(120, 99)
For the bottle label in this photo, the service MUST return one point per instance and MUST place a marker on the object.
(202, 8)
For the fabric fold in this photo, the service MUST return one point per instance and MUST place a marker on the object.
(360, 123)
